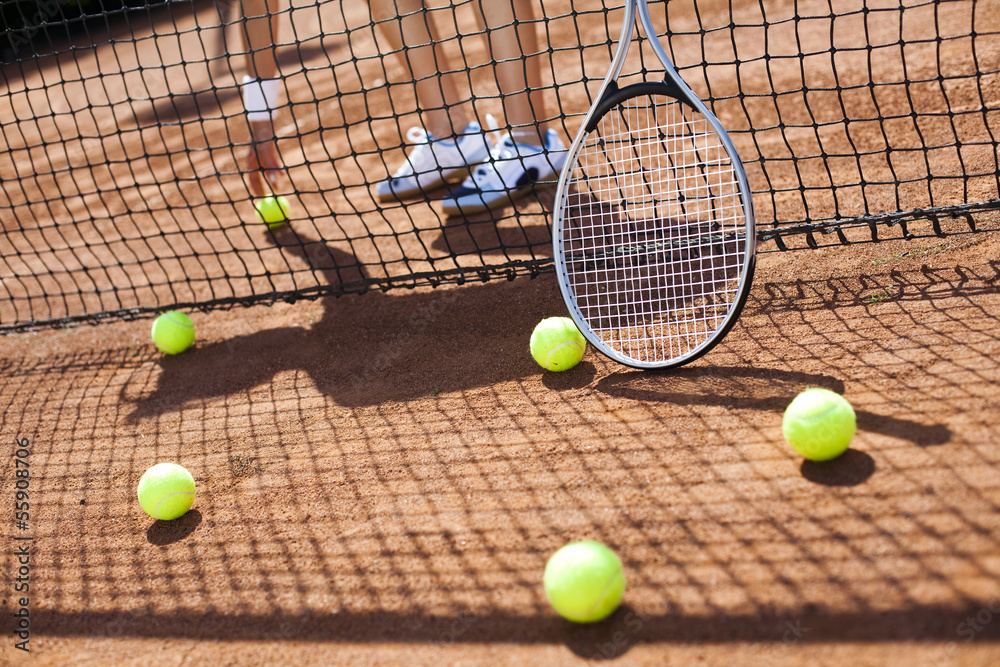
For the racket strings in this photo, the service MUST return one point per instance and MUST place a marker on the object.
(655, 233)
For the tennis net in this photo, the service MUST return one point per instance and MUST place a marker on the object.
(124, 140)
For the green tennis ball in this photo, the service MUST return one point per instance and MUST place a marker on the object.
(556, 344)
(584, 581)
(273, 211)
(173, 332)
(166, 491)
(819, 424)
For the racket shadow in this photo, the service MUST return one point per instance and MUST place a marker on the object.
(500, 232)
(485, 234)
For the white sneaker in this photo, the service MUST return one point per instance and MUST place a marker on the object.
(433, 162)
(512, 171)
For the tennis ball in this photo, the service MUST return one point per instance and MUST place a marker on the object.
(166, 491)
(556, 344)
(173, 332)
(272, 211)
(819, 424)
(584, 581)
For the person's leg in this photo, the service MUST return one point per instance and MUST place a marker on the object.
(261, 90)
(449, 144)
(531, 154)
(404, 23)
(513, 41)
(260, 34)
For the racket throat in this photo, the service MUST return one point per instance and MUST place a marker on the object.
(615, 96)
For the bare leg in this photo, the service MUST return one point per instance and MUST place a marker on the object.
(260, 34)
(403, 23)
(532, 154)
(518, 68)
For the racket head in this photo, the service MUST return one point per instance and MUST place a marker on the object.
(653, 228)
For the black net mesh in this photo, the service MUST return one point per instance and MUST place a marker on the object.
(124, 140)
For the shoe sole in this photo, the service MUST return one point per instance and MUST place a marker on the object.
(453, 176)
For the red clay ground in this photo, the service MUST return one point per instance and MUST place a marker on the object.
(382, 477)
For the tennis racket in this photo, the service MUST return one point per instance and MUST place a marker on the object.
(653, 228)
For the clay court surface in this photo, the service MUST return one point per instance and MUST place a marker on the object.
(385, 487)
(382, 477)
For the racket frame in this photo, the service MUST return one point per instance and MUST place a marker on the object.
(608, 96)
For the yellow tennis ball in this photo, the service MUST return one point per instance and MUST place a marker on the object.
(584, 581)
(273, 210)
(819, 424)
(556, 344)
(173, 332)
(166, 491)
